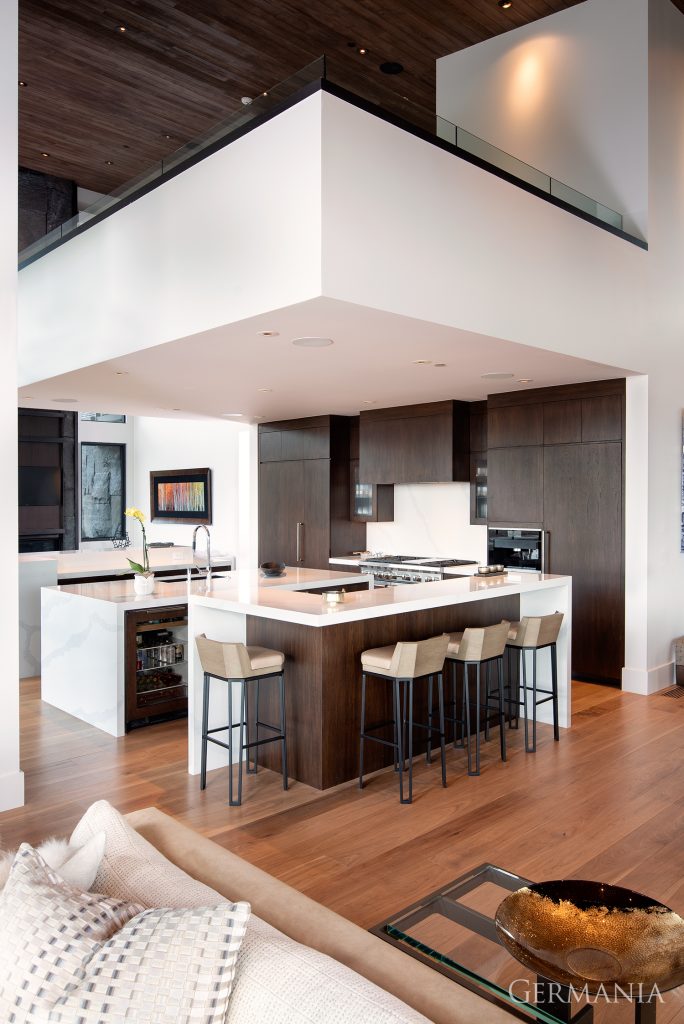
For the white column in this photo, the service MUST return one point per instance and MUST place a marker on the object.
(248, 498)
(11, 778)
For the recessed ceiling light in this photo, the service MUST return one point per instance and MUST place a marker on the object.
(268, 334)
(497, 376)
(176, 410)
(167, 136)
(122, 373)
(422, 362)
(391, 67)
(45, 154)
(363, 51)
(68, 400)
(264, 390)
(440, 365)
(109, 162)
(122, 28)
(312, 342)
(505, 4)
(22, 85)
(232, 414)
(28, 398)
(526, 380)
(264, 94)
(369, 401)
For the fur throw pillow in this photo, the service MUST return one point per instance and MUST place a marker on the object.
(76, 864)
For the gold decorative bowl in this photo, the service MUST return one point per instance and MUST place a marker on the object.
(590, 934)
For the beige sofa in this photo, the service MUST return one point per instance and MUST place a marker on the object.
(427, 991)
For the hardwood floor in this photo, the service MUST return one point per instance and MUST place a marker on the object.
(607, 802)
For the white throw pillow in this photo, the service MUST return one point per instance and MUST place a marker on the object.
(134, 869)
(76, 862)
(69, 956)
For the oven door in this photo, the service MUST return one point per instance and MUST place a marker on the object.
(516, 548)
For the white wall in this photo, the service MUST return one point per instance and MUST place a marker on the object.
(567, 94)
(188, 444)
(430, 519)
(11, 778)
(109, 433)
(233, 236)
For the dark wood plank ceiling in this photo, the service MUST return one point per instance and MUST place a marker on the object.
(106, 104)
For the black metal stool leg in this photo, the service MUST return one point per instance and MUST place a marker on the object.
(454, 678)
(554, 689)
(230, 744)
(363, 727)
(410, 737)
(256, 756)
(243, 686)
(442, 740)
(400, 739)
(466, 713)
(478, 702)
(487, 691)
(428, 749)
(534, 701)
(283, 730)
(502, 710)
(523, 657)
(248, 768)
(205, 726)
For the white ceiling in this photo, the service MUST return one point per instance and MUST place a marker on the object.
(370, 365)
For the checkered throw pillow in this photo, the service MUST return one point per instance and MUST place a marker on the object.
(80, 958)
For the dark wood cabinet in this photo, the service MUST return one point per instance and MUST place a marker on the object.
(583, 519)
(515, 486)
(602, 418)
(510, 426)
(563, 421)
(478, 463)
(415, 444)
(304, 502)
(369, 503)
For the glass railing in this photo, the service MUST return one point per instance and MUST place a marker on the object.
(269, 101)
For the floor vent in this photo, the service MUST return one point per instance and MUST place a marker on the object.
(674, 691)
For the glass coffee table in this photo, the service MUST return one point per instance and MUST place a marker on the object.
(452, 930)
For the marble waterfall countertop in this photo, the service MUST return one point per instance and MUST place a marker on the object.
(88, 562)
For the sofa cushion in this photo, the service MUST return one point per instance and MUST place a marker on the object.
(69, 956)
(277, 980)
(132, 868)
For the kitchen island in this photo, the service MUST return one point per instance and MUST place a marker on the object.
(323, 643)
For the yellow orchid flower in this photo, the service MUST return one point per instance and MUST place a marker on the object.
(135, 513)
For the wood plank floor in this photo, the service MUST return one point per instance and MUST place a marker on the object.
(607, 802)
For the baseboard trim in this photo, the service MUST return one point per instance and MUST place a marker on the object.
(647, 681)
(11, 791)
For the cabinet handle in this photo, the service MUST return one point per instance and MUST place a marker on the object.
(546, 552)
(300, 546)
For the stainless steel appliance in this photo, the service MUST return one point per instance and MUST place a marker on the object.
(516, 547)
(390, 570)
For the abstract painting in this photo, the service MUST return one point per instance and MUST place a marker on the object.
(103, 490)
(181, 496)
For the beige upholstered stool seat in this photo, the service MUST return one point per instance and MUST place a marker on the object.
(378, 658)
(535, 630)
(262, 657)
(237, 661)
(513, 631)
(455, 640)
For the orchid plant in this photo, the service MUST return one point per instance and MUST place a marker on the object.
(144, 569)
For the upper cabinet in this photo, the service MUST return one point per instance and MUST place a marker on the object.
(415, 444)
(512, 425)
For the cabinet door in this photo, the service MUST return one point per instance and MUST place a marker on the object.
(602, 418)
(281, 507)
(563, 422)
(478, 489)
(314, 548)
(583, 520)
(511, 425)
(410, 449)
(514, 486)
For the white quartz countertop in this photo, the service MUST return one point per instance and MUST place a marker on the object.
(249, 595)
(122, 592)
(105, 563)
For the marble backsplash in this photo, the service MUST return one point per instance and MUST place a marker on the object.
(430, 519)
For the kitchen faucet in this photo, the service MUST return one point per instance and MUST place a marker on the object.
(194, 549)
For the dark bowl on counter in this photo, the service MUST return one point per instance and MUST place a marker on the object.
(272, 569)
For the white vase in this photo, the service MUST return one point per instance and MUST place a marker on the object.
(143, 585)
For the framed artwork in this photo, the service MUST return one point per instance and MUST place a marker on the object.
(102, 417)
(103, 490)
(181, 496)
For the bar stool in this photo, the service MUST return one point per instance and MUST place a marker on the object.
(404, 664)
(479, 646)
(238, 663)
(535, 633)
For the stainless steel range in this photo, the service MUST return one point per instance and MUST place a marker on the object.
(390, 570)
